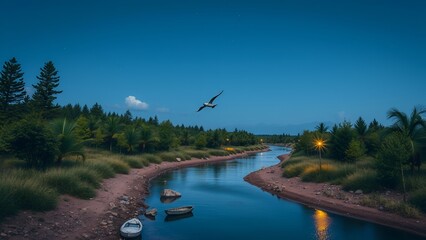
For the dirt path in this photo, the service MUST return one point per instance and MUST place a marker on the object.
(329, 197)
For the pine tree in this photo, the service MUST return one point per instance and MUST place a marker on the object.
(46, 90)
(12, 88)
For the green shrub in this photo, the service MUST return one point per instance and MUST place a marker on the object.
(65, 182)
(118, 166)
(294, 170)
(102, 168)
(197, 154)
(13, 163)
(218, 152)
(167, 156)
(418, 198)
(134, 163)
(413, 183)
(8, 206)
(152, 158)
(87, 175)
(365, 179)
(389, 205)
(32, 195)
(313, 173)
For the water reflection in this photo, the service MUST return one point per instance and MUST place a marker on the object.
(168, 199)
(322, 223)
(170, 218)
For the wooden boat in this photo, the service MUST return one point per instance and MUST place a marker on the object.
(179, 210)
(131, 228)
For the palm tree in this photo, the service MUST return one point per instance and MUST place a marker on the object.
(414, 128)
(69, 143)
(112, 127)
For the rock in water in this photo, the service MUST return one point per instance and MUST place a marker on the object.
(170, 193)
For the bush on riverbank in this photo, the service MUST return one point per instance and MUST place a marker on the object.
(359, 175)
(390, 205)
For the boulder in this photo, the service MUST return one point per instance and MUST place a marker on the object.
(170, 193)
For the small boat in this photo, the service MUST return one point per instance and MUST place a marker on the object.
(179, 210)
(131, 228)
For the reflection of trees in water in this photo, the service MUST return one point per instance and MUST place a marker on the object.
(322, 223)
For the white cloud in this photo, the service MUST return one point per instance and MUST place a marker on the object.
(133, 103)
(342, 115)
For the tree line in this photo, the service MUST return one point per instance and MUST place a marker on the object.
(399, 146)
(39, 131)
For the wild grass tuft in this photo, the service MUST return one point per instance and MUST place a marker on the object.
(152, 158)
(197, 154)
(218, 152)
(118, 166)
(24, 193)
(413, 183)
(389, 205)
(364, 179)
(87, 175)
(65, 182)
(134, 162)
(102, 168)
(418, 198)
(294, 170)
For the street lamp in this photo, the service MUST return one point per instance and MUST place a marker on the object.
(319, 145)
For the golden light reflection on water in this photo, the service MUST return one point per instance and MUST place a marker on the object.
(322, 222)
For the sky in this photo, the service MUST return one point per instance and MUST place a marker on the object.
(284, 66)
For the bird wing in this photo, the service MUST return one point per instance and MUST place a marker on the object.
(213, 98)
(201, 108)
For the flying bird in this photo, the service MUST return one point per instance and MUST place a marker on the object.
(210, 103)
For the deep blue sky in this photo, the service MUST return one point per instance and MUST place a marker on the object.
(282, 65)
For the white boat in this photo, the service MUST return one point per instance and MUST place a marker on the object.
(179, 210)
(131, 228)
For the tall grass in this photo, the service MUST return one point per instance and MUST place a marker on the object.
(17, 192)
(197, 154)
(365, 179)
(216, 152)
(102, 168)
(389, 205)
(418, 198)
(151, 158)
(65, 182)
(118, 166)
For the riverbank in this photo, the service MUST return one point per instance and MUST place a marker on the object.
(328, 197)
(117, 200)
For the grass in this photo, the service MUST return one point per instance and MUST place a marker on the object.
(65, 182)
(389, 205)
(364, 179)
(17, 192)
(197, 154)
(216, 152)
(151, 158)
(418, 198)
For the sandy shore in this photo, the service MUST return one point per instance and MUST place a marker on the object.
(330, 198)
(117, 200)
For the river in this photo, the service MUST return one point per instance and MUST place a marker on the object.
(227, 207)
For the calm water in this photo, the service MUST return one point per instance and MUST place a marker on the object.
(227, 207)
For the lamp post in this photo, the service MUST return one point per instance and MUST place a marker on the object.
(319, 145)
